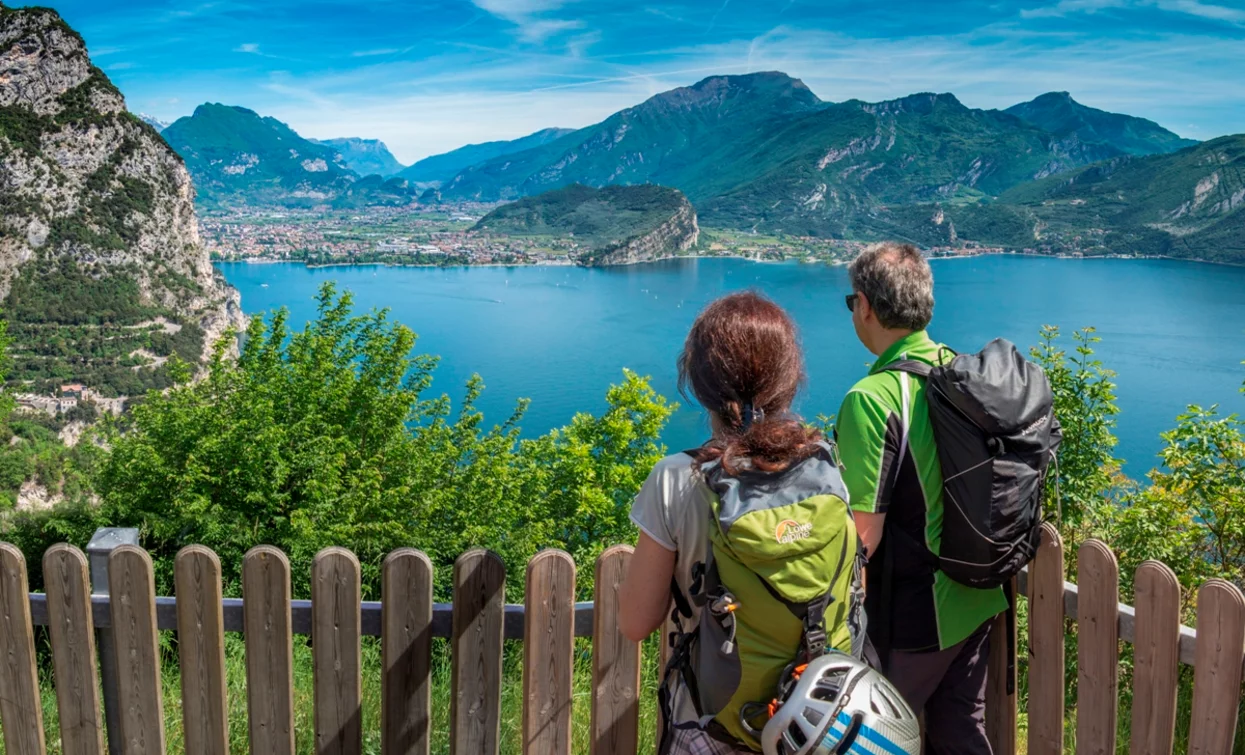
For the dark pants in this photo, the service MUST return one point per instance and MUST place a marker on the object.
(949, 686)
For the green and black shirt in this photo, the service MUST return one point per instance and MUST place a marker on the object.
(930, 610)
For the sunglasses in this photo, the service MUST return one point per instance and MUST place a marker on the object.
(851, 301)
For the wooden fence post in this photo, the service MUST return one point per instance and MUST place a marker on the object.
(336, 627)
(1217, 672)
(269, 650)
(475, 677)
(406, 653)
(1156, 648)
(548, 647)
(1000, 704)
(1098, 648)
(73, 650)
(1046, 646)
(20, 712)
(201, 650)
(132, 602)
(615, 663)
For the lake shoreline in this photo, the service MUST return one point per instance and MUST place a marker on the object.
(741, 257)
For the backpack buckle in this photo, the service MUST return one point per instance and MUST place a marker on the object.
(814, 642)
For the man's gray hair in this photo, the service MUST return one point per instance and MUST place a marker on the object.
(898, 283)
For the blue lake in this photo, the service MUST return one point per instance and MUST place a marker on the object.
(1173, 331)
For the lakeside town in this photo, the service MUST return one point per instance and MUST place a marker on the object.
(443, 236)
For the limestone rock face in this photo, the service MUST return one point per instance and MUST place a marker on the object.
(92, 195)
(678, 234)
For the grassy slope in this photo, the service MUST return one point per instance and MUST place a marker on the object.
(304, 692)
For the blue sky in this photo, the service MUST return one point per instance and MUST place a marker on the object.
(430, 76)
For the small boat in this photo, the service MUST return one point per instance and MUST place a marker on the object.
(263, 285)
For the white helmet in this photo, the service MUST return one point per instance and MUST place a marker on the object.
(837, 703)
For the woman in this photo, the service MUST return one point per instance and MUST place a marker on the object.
(742, 362)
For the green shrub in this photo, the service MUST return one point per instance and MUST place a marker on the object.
(325, 437)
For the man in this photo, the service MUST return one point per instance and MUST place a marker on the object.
(932, 633)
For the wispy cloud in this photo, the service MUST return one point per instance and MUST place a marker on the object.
(248, 47)
(1064, 7)
(381, 51)
(1187, 7)
(530, 16)
(1204, 10)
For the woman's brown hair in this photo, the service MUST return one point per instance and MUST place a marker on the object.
(742, 361)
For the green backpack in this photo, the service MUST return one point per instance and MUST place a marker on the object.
(780, 586)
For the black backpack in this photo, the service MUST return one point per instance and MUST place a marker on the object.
(993, 420)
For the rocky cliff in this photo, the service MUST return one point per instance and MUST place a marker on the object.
(100, 258)
(677, 234)
(616, 225)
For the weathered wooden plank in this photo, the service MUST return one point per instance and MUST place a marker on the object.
(335, 650)
(547, 653)
(68, 589)
(1155, 660)
(20, 713)
(269, 650)
(1046, 646)
(406, 653)
(1098, 648)
(1217, 675)
(476, 645)
(201, 648)
(132, 589)
(615, 663)
(666, 634)
(1000, 704)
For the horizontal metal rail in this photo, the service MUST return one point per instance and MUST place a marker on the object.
(442, 616)
(300, 615)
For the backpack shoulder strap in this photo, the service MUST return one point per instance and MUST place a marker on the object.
(911, 366)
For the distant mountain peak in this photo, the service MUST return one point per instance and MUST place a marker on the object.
(153, 121)
(1060, 114)
(921, 103)
(774, 86)
(364, 156)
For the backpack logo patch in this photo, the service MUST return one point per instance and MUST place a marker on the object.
(789, 530)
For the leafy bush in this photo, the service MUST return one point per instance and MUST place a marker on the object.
(324, 437)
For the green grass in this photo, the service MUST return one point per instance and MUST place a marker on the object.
(511, 702)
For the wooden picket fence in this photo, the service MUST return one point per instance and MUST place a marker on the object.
(478, 621)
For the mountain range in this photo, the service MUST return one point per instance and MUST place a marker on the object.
(239, 157)
(763, 152)
(440, 168)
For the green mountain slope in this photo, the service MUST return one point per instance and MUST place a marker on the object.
(689, 138)
(1066, 118)
(101, 270)
(364, 156)
(1185, 204)
(235, 155)
(837, 171)
(440, 168)
(613, 225)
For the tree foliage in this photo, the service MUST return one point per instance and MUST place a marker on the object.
(327, 437)
(1190, 515)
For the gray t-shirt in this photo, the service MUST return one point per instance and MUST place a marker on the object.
(673, 508)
